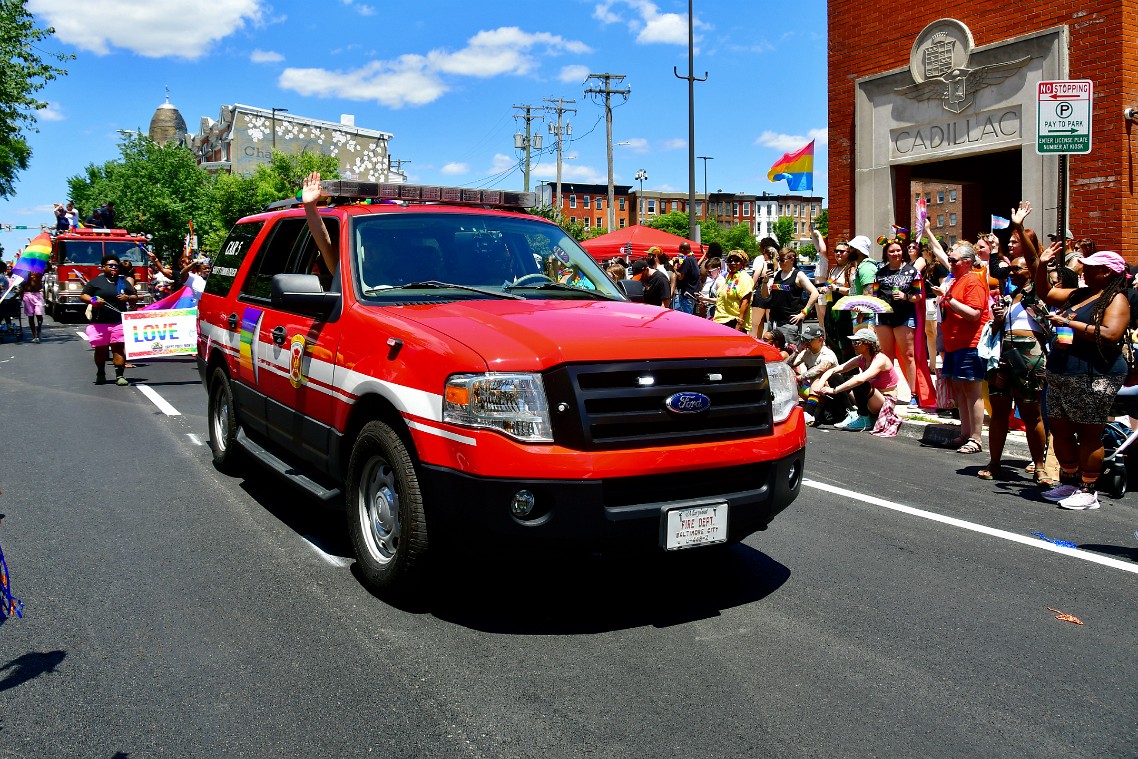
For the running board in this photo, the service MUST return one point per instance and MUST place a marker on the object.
(288, 471)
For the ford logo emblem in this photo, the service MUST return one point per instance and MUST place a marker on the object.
(687, 403)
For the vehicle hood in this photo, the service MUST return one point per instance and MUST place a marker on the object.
(533, 335)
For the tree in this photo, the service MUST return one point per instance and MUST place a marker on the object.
(783, 231)
(822, 222)
(673, 222)
(23, 75)
(571, 226)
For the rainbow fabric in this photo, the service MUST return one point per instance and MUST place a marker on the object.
(34, 258)
(922, 217)
(796, 168)
(184, 298)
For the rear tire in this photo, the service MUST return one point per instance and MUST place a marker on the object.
(222, 423)
(384, 505)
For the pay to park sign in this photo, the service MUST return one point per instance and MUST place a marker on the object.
(152, 334)
(1064, 116)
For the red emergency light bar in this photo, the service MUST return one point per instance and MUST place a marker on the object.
(344, 189)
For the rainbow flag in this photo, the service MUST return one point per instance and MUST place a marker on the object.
(796, 168)
(34, 258)
(922, 218)
(183, 298)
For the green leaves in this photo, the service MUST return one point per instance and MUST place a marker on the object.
(23, 74)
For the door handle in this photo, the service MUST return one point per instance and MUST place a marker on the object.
(278, 334)
(232, 320)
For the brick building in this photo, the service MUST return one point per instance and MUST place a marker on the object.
(954, 100)
(944, 203)
(586, 202)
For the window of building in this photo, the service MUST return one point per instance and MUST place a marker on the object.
(917, 198)
(952, 196)
(813, 209)
(940, 196)
(699, 208)
(572, 201)
(600, 203)
(928, 197)
(651, 206)
(746, 209)
(952, 220)
(940, 220)
(588, 200)
(600, 222)
(623, 222)
(734, 209)
(675, 205)
(586, 219)
(952, 239)
(621, 204)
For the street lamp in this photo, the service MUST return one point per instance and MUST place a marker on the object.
(275, 112)
(705, 159)
(641, 175)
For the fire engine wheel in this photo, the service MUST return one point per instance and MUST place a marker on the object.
(222, 422)
(385, 509)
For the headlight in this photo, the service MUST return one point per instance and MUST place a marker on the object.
(72, 285)
(784, 388)
(512, 403)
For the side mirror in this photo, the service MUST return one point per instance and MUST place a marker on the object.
(303, 294)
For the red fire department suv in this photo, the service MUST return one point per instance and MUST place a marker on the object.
(469, 376)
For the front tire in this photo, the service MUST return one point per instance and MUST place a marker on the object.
(386, 522)
(222, 423)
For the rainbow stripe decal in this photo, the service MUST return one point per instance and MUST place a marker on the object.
(796, 168)
(250, 326)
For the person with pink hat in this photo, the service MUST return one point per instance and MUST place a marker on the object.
(1085, 369)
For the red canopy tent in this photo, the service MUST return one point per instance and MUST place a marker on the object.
(640, 238)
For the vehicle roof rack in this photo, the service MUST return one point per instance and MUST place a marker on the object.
(349, 191)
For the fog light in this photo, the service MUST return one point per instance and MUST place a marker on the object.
(522, 503)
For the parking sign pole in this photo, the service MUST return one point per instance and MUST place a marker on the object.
(1061, 205)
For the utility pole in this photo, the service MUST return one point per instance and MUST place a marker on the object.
(692, 79)
(559, 130)
(527, 141)
(608, 92)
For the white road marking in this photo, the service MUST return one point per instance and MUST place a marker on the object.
(84, 336)
(194, 438)
(1125, 566)
(336, 561)
(162, 404)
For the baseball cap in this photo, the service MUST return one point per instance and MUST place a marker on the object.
(1055, 235)
(811, 332)
(639, 265)
(865, 336)
(1107, 258)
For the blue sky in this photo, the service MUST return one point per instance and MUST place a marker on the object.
(443, 76)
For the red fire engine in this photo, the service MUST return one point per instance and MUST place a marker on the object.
(468, 376)
(75, 257)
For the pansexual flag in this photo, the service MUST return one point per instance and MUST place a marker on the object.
(796, 168)
(34, 258)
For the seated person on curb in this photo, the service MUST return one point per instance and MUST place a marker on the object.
(811, 360)
(876, 376)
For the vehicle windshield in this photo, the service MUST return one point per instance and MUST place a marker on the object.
(90, 252)
(484, 256)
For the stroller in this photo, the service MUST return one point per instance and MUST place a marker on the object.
(12, 308)
(1116, 439)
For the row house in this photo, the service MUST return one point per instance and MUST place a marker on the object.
(585, 203)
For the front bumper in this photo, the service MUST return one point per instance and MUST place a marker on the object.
(619, 515)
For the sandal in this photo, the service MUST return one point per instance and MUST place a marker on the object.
(991, 473)
(971, 445)
(1030, 468)
(1042, 480)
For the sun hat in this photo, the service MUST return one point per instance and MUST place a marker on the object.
(861, 244)
(866, 335)
(740, 254)
(1107, 258)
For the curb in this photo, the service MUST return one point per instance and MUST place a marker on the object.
(939, 433)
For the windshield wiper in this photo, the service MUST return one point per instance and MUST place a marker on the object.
(563, 287)
(436, 285)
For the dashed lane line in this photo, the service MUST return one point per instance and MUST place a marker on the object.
(162, 404)
(953, 521)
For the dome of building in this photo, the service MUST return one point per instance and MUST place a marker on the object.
(167, 125)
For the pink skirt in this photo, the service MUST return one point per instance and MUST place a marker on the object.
(104, 334)
(33, 304)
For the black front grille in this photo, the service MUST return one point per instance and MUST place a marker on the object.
(623, 404)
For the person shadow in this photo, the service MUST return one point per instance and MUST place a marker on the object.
(29, 666)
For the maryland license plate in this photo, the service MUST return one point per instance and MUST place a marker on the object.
(695, 526)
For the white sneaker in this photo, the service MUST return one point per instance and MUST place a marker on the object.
(809, 419)
(1083, 500)
(851, 417)
(1059, 492)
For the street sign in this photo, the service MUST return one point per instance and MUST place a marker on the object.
(1064, 116)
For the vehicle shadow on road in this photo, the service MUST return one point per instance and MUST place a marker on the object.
(1129, 553)
(29, 666)
(585, 595)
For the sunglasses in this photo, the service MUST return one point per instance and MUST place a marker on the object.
(952, 260)
(111, 266)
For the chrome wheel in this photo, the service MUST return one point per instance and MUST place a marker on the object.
(378, 509)
(220, 419)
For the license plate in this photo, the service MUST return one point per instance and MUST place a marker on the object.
(695, 526)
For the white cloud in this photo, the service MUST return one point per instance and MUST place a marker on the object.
(571, 172)
(674, 144)
(418, 79)
(150, 28)
(787, 142)
(636, 144)
(265, 56)
(455, 168)
(360, 8)
(647, 22)
(51, 112)
(573, 74)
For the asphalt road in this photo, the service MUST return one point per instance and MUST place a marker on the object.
(175, 611)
